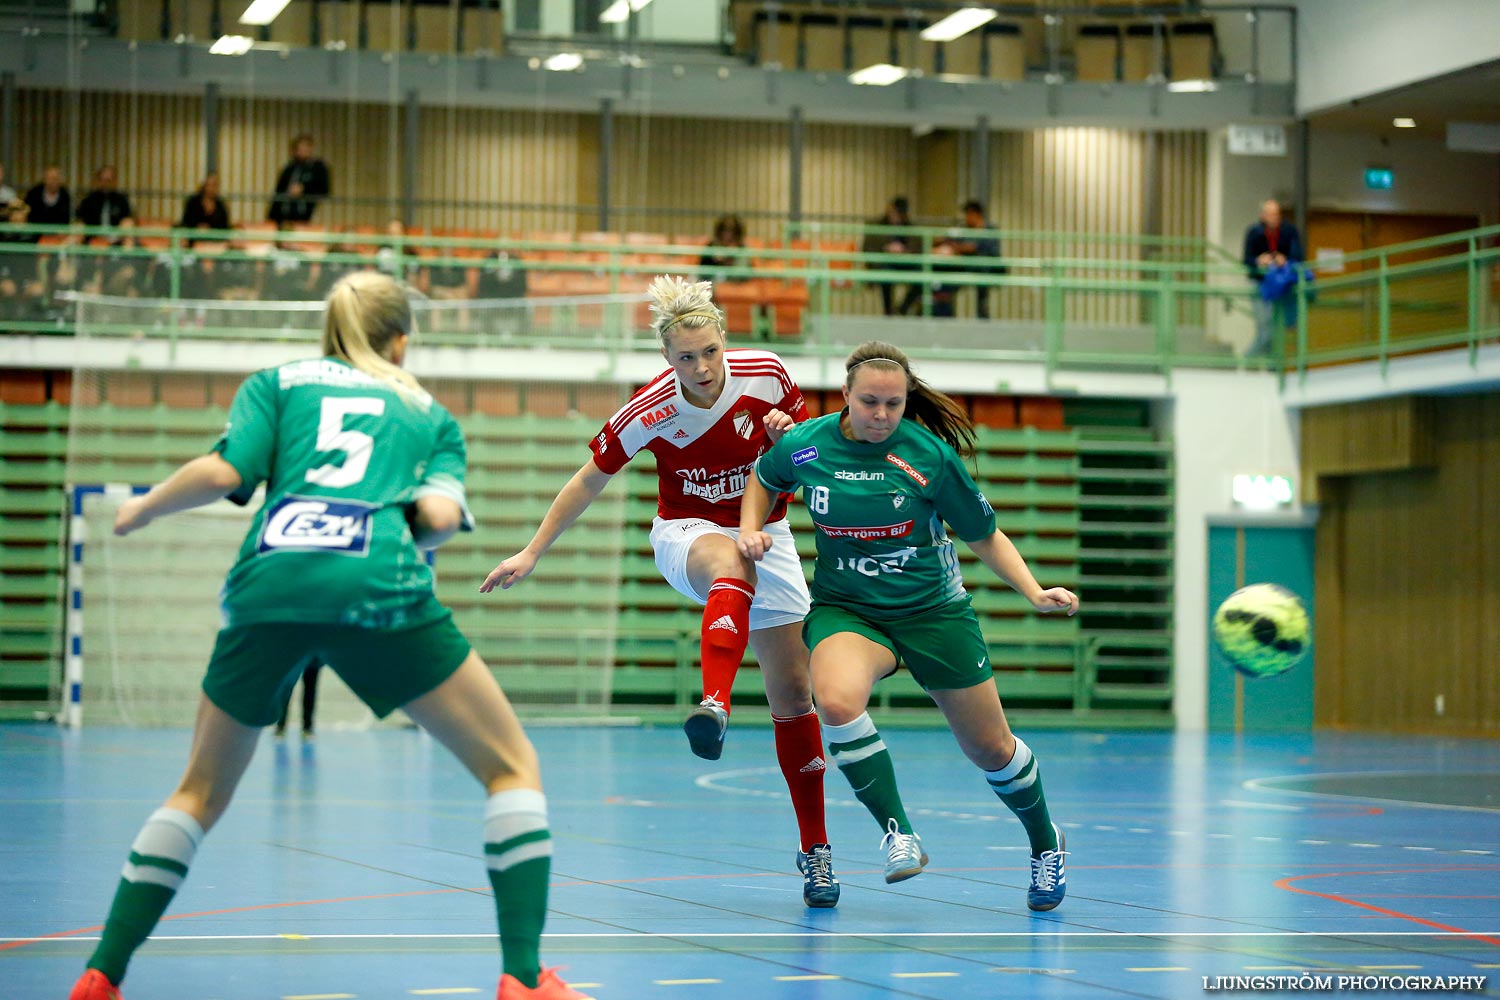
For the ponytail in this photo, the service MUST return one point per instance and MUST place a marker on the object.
(934, 410)
(366, 312)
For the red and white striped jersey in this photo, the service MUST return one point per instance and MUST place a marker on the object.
(703, 457)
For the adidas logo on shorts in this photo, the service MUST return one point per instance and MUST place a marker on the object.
(816, 764)
(724, 621)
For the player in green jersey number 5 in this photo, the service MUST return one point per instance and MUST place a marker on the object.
(887, 591)
(362, 468)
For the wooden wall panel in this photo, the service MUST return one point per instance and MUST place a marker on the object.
(523, 164)
(700, 170)
(155, 142)
(1409, 567)
(1375, 435)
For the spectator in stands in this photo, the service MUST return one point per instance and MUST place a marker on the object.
(309, 702)
(395, 257)
(303, 182)
(204, 209)
(50, 202)
(896, 214)
(20, 284)
(729, 234)
(7, 193)
(450, 277)
(121, 271)
(981, 253)
(502, 277)
(1271, 243)
(105, 204)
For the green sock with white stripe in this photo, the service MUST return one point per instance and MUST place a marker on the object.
(159, 860)
(859, 752)
(1019, 785)
(518, 850)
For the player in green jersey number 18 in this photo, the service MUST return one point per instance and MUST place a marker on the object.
(362, 468)
(887, 591)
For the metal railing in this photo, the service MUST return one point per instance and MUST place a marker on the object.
(1134, 303)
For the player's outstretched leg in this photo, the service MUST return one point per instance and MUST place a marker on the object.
(164, 848)
(725, 634)
(470, 715)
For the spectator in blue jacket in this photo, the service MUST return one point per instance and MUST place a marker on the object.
(1271, 243)
(981, 255)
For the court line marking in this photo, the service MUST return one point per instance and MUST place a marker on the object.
(1254, 784)
(1286, 884)
(757, 935)
(923, 975)
(804, 979)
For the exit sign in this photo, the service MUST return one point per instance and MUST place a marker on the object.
(1380, 178)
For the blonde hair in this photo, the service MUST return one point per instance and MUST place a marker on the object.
(677, 301)
(367, 311)
(937, 411)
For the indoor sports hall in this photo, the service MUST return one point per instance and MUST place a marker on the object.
(1217, 286)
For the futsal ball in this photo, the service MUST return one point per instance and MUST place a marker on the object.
(1262, 629)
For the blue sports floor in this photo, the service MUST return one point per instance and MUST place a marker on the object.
(350, 869)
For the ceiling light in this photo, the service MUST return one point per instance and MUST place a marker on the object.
(620, 10)
(878, 75)
(263, 11)
(958, 23)
(1192, 86)
(563, 62)
(232, 45)
(1404, 122)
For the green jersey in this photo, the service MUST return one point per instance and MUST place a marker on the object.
(879, 511)
(343, 456)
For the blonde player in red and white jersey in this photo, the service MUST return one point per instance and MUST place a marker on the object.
(707, 419)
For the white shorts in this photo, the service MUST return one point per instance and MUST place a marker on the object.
(780, 588)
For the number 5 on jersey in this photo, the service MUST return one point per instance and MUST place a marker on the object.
(334, 436)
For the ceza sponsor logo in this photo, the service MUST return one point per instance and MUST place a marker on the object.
(655, 417)
(901, 464)
(876, 565)
(307, 523)
(804, 456)
(868, 532)
(858, 476)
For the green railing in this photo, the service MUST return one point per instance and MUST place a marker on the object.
(1065, 300)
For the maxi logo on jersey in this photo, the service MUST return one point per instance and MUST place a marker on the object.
(870, 531)
(654, 417)
(716, 485)
(341, 526)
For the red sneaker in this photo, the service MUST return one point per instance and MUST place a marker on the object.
(93, 985)
(548, 987)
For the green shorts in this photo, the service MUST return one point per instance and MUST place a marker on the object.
(254, 667)
(944, 648)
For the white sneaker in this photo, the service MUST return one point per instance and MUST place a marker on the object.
(904, 856)
(705, 727)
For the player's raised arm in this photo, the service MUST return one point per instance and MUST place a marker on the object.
(569, 504)
(201, 481)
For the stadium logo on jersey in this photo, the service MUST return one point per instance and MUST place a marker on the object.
(899, 463)
(681, 433)
(295, 522)
(868, 532)
(744, 424)
(860, 476)
(655, 417)
(804, 456)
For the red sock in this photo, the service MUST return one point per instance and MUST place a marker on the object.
(726, 633)
(799, 750)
